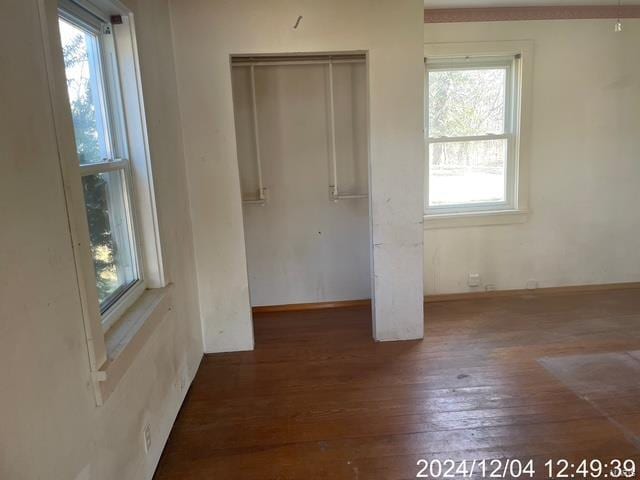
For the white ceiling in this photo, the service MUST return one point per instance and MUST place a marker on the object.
(515, 3)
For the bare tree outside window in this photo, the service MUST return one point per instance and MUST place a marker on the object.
(467, 134)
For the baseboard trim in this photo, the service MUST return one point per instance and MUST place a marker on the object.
(296, 307)
(450, 297)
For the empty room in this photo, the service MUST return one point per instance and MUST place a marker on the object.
(338, 239)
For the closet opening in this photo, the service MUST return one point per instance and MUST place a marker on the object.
(302, 139)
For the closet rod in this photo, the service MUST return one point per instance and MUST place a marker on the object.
(294, 62)
(261, 200)
(334, 193)
(333, 189)
(332, 126)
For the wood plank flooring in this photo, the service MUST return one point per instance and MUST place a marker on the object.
(319, 399)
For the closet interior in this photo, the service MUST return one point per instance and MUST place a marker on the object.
(302, 138)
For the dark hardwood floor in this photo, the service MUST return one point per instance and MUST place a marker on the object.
(504, 378)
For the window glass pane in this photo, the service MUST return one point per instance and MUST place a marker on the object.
(467, 172)
(467, 102)
(81, 51)
(112, 245)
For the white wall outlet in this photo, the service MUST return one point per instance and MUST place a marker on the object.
(490, 287)
(474, 280)
(146, 437)
(532, 284)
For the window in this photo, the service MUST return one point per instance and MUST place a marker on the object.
(95, 86)
(471, 134)
(102, 158)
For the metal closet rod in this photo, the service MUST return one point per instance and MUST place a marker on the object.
(334, 193)
(299, 60)
(261, 198)
(266, 61)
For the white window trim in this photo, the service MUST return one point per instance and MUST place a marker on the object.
(516, 208)
(111, 351)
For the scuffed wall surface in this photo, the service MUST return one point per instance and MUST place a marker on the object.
(206, 33)
(584, 167)
(50, 427)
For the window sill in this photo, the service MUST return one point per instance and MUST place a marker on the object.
(127, 336)
(475, 219)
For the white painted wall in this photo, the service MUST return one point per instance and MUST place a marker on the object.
(50, 426)
(301, 246)
(584, 169)
(206, 33)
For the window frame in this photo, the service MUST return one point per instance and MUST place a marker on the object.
(509, 129)
(111, 351)
(110, 97)
(515, 207)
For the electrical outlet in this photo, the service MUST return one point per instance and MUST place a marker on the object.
(146, 436)
(474, 280)
(532, 284)
(490, 287)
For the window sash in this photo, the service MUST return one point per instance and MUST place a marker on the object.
(80, 16)
(473, 207)
(110, 96)
(473, 65)
(103, 167)
(112, 110)
(469, 63)
(470, 138)
(128, 293)
(510, 128)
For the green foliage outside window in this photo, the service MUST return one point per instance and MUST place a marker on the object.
(95, 187)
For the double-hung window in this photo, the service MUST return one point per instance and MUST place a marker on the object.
(96, 90)
(471, 134)
(102, 157)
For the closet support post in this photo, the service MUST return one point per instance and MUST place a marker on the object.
(261, 198)
(334, 193)
(333, 189)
